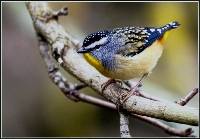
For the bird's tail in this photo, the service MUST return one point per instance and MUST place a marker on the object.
(165, 29)
(171, 25)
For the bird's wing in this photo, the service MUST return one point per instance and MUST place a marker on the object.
(137, 39)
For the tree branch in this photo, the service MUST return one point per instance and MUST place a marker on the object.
(63, 47)
(54, 75)
(124, 129)
(188, 97)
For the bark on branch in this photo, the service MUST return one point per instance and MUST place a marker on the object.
(124, 129)
(64, 49)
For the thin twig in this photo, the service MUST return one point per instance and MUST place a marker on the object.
(170, 130)
(124, 122)
(181, 102)
(188, 97)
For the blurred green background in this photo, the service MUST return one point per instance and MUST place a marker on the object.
(34, 106)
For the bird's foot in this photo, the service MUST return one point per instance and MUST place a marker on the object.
(133, 91)
(110, 81)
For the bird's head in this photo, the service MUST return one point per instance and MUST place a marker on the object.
(94, 41)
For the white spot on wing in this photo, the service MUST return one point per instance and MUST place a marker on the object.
(145, 31)
(172, 23)
(152, 30)
(159, 30)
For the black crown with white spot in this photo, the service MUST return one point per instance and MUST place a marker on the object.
(94, 37)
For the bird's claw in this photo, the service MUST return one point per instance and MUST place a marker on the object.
(111, 81)
(134, 91)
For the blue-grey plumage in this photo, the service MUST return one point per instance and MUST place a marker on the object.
(106, 45)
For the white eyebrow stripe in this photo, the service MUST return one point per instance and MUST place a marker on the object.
(99, 42)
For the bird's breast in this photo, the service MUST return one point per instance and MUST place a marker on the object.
(133, 67)
(129, 67)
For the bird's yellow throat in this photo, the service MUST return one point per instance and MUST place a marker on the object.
(95, 62)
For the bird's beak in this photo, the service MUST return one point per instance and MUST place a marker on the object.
(82, 50)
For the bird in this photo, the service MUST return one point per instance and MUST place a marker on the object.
(126, 53)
